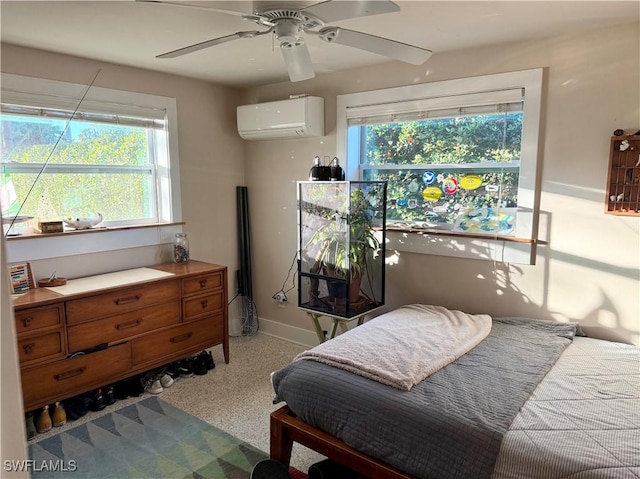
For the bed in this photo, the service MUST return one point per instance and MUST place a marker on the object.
(531, 399)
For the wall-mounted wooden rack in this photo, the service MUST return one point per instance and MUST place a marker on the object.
(623, 184)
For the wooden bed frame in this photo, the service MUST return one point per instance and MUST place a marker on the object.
(287, 429)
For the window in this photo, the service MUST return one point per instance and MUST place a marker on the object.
(59, 164)
(459, 156)
(75, 151)
(453, 169)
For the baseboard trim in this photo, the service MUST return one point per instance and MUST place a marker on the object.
(293, 334)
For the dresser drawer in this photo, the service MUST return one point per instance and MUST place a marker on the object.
(41, 346)
(201, 284)
(63, 378)
(126, 299)
(36, 318)
(122, 326)
(203, 333)
(193, 308)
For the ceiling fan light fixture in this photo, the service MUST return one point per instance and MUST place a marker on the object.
(297, 59)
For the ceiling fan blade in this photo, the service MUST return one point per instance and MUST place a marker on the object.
(332, 11)
(296, 57)
(371, 43)
(246, 16)
(209, 43)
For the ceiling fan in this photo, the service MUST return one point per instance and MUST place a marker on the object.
(288, 24)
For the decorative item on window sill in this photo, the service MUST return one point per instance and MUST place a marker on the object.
(83, 223)
(181, 248)
(47, 227)
(16, 225)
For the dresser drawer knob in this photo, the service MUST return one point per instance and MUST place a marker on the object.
(70, 374)
(26, 322)
(204, 303)
(130, 324)
(203, 283)
(127, 300)
(182, 337)
(28, 348)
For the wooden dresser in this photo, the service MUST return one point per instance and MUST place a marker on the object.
(177, 310)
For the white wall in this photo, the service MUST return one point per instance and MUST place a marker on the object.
(588, 267)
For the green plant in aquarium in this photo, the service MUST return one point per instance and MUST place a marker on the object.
(344, 235)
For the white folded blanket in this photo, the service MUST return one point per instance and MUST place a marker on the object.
(402, 347)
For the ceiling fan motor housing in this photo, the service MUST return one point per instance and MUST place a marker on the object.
(287, 31)
(259, 7)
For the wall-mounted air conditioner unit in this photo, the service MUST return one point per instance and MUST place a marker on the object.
(292, 118)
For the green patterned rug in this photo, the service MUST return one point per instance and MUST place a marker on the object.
(148, 439)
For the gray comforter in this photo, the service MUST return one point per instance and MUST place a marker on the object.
(450, 425)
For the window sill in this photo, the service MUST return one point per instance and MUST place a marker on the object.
(438, 232)
(505, 249)
(32, 247)
(98, 229)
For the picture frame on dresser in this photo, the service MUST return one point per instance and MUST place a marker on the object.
(21, 277)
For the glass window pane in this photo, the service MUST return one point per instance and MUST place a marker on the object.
(28, 139)
(117, 197)
(459, 173)
(464, 139)
(91, 167)
(443, 198)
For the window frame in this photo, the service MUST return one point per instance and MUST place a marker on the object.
(38, 92)
(18, 89)
(521, 248)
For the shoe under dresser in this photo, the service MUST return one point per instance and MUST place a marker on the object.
(98, 330)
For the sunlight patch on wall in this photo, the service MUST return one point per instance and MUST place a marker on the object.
(392, 259)
(607, 318)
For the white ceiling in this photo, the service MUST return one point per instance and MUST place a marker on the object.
(133, 33)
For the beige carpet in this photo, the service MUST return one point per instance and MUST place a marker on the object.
(235, 397)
